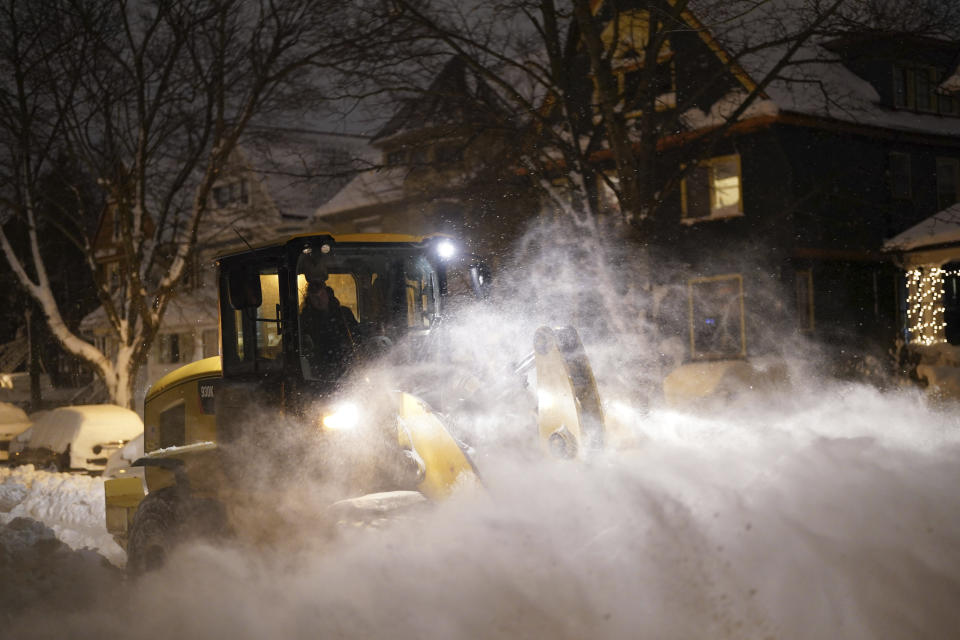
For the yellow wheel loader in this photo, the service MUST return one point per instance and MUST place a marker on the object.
(291, 395)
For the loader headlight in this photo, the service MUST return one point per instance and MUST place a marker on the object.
(344, 417)
(446, 250)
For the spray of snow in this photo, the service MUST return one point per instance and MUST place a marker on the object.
(813, 509)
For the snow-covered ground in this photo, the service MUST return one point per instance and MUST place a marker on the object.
(821, 513)
(55, 553)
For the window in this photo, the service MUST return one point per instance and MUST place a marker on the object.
(627, 37)
(713, 189)
(420, 295)
(111, 273)
(169, 345)
(418, 156)
(948, 171)
(916, 87)
(252, 340)
(173, 423)
(193, 278)
(717, 327)
(268, 317)
(663, 87)
(396, 157)
(173, 348)
(231, 193)
(211, 343)
(900, 175)
(448, 154)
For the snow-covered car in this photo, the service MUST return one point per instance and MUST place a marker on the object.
(13, 422)
(79, 438)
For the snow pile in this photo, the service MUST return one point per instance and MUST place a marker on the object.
(42, 575)
(70, 505)
(939, 369)
(827, 512)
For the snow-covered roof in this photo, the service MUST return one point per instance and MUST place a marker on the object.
(302, 169)
(941, 228)
(815, 83)
(831, 90)
(368, 189)
(190, 308)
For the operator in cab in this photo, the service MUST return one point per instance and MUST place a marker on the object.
(328, 330)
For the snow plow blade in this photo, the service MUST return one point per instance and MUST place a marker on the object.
(121, 498)
(570, 418)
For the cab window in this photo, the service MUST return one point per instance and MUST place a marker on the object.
(254, 334)
(420, 294)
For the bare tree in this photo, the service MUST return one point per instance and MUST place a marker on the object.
(149, 98)
(592, 84)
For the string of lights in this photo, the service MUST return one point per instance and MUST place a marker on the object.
(925, 311)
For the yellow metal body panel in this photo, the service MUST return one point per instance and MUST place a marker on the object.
(206, 368)
(445, 463)
(174, 403)
(121, 498)
(570, 419)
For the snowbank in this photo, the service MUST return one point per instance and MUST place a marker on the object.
(824, 512)
(70, 505)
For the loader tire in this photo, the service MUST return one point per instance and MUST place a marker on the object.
(153, 533)
(165, 519)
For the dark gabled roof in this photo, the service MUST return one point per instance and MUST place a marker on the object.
(456, 97)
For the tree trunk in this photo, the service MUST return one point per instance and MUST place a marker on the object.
(36, 393)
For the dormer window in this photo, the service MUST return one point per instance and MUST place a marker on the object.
(231, 193)
(916, 87)
(396, 157)
(447, 154)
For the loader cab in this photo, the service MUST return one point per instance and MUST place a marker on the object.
(384, 293)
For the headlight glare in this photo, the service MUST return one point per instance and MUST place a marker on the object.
(344, 417)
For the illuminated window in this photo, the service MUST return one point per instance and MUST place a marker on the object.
(713, 189)
(269, 341)
(627, 37)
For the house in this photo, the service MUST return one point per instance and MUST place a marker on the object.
(438, 168)
(269, 188)
(777, 231)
